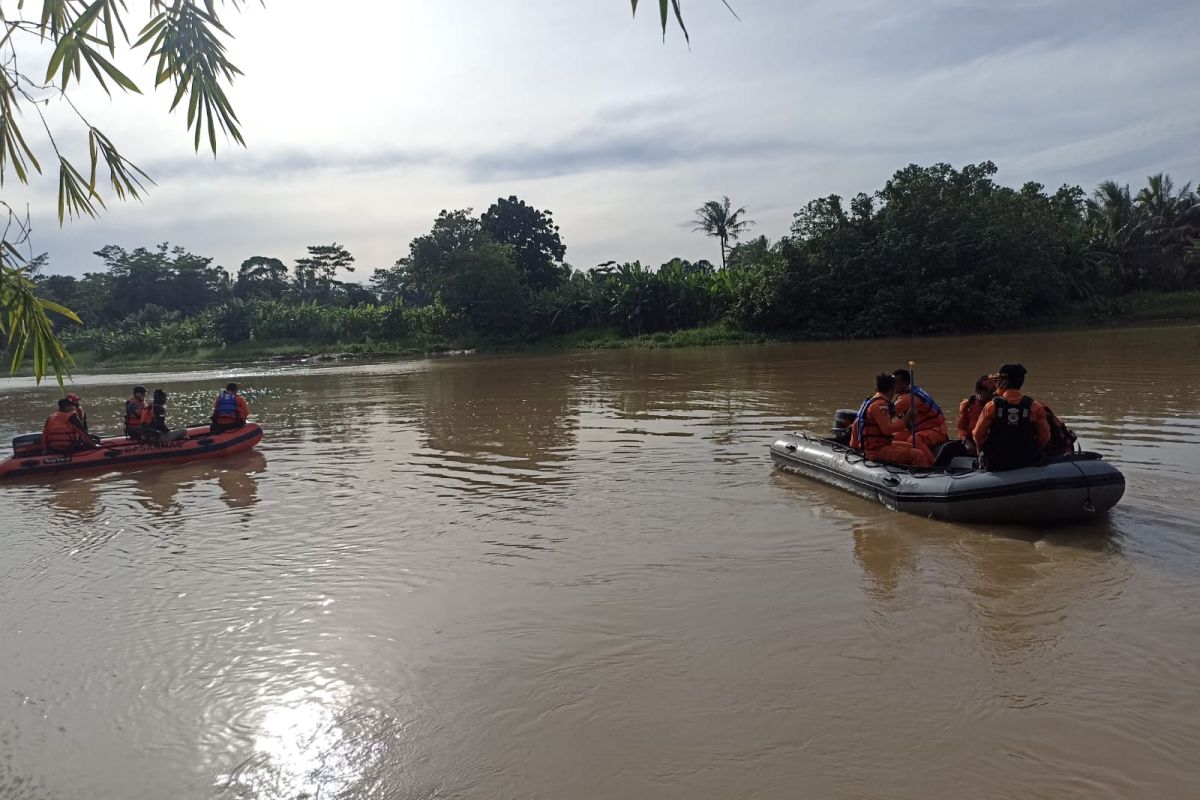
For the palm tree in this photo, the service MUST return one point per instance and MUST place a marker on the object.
(718, 219)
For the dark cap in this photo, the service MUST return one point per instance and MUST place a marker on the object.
(139, 390)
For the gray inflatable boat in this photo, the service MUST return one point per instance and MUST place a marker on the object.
(1075, 485)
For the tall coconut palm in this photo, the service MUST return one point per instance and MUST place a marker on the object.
(721, 221)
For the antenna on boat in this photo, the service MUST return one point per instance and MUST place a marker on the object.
(912, 400)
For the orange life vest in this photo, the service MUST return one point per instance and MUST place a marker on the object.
(227, 410)
(929, 413)
(866, 435)
(133, 412)
(60, 434)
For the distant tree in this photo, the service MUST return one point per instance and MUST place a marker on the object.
(261, 278)
(426, 269)
(473, 275)
(534, 238)
(388, 283)
(185, 39)
(315, 274)
(348, 293)
(167, 276)
(719, 220)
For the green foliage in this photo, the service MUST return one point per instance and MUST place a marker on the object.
(261, 278)
(936, 250)
(316, 275)
(538, 248)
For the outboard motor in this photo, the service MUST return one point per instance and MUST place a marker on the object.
(843, 421)
(28, 444)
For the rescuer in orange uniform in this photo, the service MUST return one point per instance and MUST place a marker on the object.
(876, 424)
(1012, 429)
(932, 429)
(970, 409)
(230, 410)
(63, 432)
(134, 407)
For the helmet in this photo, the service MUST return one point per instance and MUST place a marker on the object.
(73, 399)
(139, 390)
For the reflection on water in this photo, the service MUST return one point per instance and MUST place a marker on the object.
(577, 576)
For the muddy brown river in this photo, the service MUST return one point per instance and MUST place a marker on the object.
(577, 576)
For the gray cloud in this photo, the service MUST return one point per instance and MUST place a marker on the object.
(801, 99)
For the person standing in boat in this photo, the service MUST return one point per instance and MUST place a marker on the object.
(230, 410)
(876, 426)
(969, 411)
(931, 426)
(1012, 429)
(154, 422)
(63, 433)
(134, 407)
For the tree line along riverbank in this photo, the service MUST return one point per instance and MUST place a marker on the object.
(937, 250)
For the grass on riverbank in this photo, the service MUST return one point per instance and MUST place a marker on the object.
(1141, 309)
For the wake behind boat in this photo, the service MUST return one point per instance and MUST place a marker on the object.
(123, 452)
(1065, 487)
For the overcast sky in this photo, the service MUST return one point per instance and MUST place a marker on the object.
(363, 118)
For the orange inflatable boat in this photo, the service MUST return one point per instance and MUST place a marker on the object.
(123, 452)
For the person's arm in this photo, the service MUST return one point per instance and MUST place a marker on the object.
(879, 415)
(1040, 424)
(981, 427)
(79, 425)
(243, 408)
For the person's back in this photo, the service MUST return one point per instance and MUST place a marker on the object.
(230, 410)
(63, 432)
(1012, 428)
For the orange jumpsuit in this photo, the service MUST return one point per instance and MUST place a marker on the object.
(969, 411)
(931, 425)
(877, 443)
(1037, 415)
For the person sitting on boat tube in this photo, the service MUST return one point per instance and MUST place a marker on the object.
(63, 432)
(932, 429)
(230, 410)
(134, 407)
(876, 424)
(77, 402)
(969, 411)
(154, 421)
(1012, 429)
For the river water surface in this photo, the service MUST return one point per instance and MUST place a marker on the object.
(577, 576)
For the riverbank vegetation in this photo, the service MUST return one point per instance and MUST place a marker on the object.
(937, 250)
